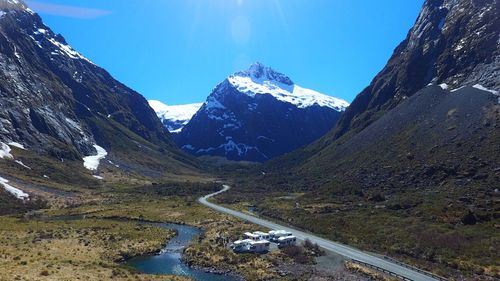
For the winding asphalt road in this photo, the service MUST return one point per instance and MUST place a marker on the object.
(340, 249)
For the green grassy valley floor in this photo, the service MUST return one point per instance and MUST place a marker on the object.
(85, 231)
(433, 231)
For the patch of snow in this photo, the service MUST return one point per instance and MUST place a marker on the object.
(444, 86)
(212, 103)
(18, 145)
(19, 194)
(188, 146)
(2, 13)
(460, 45)
(16, 54)
(454, 90)
(22, 164)
(5, 151)
(98, 177)
(45, 176)
(67, 50)
(230, 146)
(480, 87)
(92, 162)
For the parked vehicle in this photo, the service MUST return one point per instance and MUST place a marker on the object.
(261, 246)
(251, 236)
(241, 246)
(286, 241)
(276, 234)
(263, 235)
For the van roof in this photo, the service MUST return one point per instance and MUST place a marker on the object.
(287, 238)
(279, 232)
(242, 241)
(260, 242)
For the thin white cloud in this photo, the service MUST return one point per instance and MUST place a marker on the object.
(66, 11)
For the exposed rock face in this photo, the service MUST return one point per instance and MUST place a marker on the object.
(453, 41)
(53, 100)
(258, 114)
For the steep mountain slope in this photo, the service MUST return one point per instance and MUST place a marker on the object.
(258, 114)
(453, 41)
(435, 138)
(57, 103)
(174, 117)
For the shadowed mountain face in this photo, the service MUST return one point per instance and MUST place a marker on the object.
(435, 138)
(258, 114)
(401, 133)
(55, 101)
(453, 42)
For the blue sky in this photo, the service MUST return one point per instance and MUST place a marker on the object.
(177, 51)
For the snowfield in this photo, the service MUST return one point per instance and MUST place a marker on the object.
(294, 94)
(175, 113)
(19, 194)
(92, 162)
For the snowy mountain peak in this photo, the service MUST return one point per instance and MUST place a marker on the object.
(259, 73)
(260, 79)
(13, 5)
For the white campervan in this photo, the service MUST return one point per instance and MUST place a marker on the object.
(286, 241)
(251, 236)
(261, 246)
(276, 234)
(240, 246)
(263, 235)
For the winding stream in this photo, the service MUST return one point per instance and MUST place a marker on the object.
(168, 261)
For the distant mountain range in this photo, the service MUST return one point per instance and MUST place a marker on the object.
(254, 115)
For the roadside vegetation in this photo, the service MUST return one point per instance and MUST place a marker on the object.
(437, 232)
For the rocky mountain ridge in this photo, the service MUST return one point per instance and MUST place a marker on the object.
(56, 102)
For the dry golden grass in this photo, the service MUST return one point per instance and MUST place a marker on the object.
(74, 250)
(372, 274)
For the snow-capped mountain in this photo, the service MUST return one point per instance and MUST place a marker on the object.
(174, 117)
(258, 114)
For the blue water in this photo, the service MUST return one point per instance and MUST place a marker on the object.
(168, 261)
